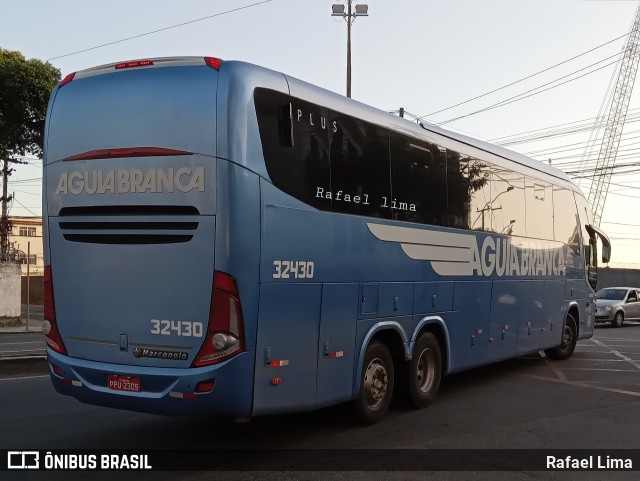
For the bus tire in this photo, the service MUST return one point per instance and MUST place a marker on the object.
(569, 339)
(425, 370)
(376, 384)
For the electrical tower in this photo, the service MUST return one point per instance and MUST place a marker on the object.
(615, 118)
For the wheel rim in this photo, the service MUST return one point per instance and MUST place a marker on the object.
(376, 383)
(618, 319)
(426, 370)
(568, 337)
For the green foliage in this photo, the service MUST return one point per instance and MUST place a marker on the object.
(25, 86)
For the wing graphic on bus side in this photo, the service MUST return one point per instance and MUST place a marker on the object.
(450, 254)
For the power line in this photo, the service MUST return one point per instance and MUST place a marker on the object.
(26, 208)
(159, 30)
(522, 96)
(524, 78)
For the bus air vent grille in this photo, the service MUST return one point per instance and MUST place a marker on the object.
(129, 224)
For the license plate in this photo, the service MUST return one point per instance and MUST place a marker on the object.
(123, 383)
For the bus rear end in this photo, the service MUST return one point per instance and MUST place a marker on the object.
(136, 315)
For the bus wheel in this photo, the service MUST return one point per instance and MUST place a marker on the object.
(376, 384)
(569, 339)
(425, 370)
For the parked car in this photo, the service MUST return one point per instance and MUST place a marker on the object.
(615, 304)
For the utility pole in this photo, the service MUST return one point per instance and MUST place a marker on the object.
(5, 225)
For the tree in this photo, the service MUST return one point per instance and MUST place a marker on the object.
(25, 86)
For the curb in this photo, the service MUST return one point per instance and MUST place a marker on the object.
(24, 356)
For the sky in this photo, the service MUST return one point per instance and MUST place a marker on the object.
(422, 55)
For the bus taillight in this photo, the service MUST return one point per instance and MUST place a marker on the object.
(213, 62)
(225, 333)
(133, 64)
(49, 326)
(66, 80)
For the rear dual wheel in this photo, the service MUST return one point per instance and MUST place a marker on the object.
(376, 384)
(425, 370)
(377, 379)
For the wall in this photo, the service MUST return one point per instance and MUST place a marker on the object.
(36, 285)
(617, 277)
(9, 293)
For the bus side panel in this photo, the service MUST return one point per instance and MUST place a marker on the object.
(430, 297)
(238, 242)
(468, 324)
(554, 312)
(574, 291)
(505, 312)
(336, 345)
(531, 315)
(286, 362)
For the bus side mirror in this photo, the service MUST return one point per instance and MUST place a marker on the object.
(606, 243)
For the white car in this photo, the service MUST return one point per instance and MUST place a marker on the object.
(615, 304)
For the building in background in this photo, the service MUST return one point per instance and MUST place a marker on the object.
(25, 237)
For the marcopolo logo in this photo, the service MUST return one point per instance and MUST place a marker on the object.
(455, 254)
(184, 179)
(23, 460)
(155, 353)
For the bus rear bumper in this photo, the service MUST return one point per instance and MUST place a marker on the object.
(162, 390)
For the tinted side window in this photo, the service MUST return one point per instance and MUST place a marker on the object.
(418, 181)
(539, 204)
(508, 204)
(360, 167)
(566, 227)
(460, 184)
(301, 169)
(477, 176)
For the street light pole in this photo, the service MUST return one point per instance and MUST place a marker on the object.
(349, 23)
(338, 10)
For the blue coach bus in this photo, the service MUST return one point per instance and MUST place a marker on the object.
(221, 238)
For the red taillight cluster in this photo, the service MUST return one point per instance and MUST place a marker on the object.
(50, 326)
(67, 79)
(213, 62)
(225, 332)
(127, 152)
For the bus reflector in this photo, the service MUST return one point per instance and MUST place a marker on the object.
(67, 79)
(213, 62)
(50, 326)
(205, 386)
(225, 332)
(136, 63)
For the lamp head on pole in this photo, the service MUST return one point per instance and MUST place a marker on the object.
(362, 10)
(337, 10)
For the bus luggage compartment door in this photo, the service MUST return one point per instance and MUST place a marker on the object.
(286, 349)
